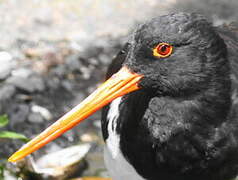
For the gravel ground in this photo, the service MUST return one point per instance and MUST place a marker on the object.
(53, 53)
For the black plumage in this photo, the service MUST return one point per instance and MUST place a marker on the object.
(182, 123)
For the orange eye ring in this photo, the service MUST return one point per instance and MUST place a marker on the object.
(162, 50)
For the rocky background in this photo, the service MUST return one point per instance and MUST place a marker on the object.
(53, 53)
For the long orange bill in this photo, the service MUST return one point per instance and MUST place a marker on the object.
(121, 83)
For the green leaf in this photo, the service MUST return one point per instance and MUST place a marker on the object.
(1, 172)
(3, 120)
(13, 135)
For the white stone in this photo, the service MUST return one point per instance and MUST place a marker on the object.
(45, 113)
(5, 57)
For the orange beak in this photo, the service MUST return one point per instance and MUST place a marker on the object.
(119, 84)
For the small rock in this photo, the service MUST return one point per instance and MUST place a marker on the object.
(50, 59)
(73, 63)
(67, 85)
(5, 57)
(69, 135)
(33, 52)
(6, 64)
(94, 61)
(45, 113)
(53, 83)
(76, 46)
(4, 73)
(22, 72)
(6, 92)
(28, 85)
(23, 97)
(88, 53)
(60, 70)
(86, 72)
(97, 123)
(35, 118)
(38, 83)
(19, 113)
(89, 137)
(21, 83)
(104, 59)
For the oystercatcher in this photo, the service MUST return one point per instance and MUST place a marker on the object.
(171, 114)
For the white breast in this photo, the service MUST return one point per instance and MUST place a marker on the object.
(117, 165)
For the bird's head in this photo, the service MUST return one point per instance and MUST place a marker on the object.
(174, 55)
(177, 54)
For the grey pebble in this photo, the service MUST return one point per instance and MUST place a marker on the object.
(35, 118)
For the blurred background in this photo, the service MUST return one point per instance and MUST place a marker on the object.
(53, 53)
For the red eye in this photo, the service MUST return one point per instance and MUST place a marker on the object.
(162, 50)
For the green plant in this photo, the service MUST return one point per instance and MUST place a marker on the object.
(8, 135)
(2, 171)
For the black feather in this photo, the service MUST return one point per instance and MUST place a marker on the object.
(182, 124)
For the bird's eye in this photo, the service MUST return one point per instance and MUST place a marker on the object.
(162, 50)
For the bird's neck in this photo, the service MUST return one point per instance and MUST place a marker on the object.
(210, 107)
(213, 104)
